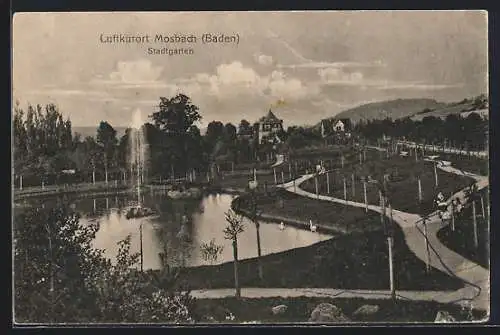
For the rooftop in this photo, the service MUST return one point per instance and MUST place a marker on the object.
(270, 117)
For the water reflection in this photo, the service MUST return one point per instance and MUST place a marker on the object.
(181, 227)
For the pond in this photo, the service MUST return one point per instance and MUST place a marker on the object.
(165, 232)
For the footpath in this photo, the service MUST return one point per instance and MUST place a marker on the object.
(475, 292)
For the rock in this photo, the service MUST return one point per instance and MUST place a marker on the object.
(327, 313)
(208, 318)
(366, 310)
(220, 313)
(444, 317)
(279, 310)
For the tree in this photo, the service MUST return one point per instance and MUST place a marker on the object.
(254, 214)
(93, 155)
(480, 102)
(175, 119)
(214, 134)
(60, 277)
(211, 251)
(452, 128)
(231, 231)
(123, 151)
(244, 127)
(196, 157)
(42, 141)
(229, 133)
(106, 138)
(19, 139)
(176, 115)
(474, 131)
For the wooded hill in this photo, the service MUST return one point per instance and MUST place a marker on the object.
(416, 109)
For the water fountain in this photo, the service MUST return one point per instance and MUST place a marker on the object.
(137, 160)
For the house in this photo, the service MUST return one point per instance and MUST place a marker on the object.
(336, 130)
(335, 126)
(269, 126)
(342, 126)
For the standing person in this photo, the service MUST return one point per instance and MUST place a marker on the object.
(441, 204)
(459, 206)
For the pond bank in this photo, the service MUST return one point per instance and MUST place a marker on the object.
(86, 190)
(288, 221)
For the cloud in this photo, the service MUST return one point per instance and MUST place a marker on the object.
(133, 74)
(339, 65)
(282, 87)
(236, 80)
(331, 76)
(69, 93)
(338, 77)
(263, 59)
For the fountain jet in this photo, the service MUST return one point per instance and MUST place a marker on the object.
(138, 152)
(137, 162)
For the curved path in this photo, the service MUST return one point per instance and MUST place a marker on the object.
(280, 160)
(476, 278)
(475, 291)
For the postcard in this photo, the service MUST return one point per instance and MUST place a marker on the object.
(293, 167)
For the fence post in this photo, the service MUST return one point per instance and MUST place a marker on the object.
(345, 190)
(482, 208)
(420, 197)
(474, 220)
(353, 186)
(328, 183)
(436, 175)
(427, 258)
(316, 186)
(366, 197)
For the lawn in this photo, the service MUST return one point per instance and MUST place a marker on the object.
(353, 261)
(299, 310)
(241, 181)
(402, 185)
(462, 239)
(321, 152)
(325, 213)
(297, 166)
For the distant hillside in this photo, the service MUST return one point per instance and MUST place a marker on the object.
(92, 131)
(463, 108)
(393, 109)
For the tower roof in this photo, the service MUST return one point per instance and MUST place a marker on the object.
(269, 117)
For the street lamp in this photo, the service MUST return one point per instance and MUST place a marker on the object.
(382, 186)
(141, 249)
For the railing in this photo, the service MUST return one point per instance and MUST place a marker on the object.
(443, 149)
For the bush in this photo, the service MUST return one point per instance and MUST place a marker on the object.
(59, 277)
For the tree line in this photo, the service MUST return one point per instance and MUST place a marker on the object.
(468, 132)
(44, 143)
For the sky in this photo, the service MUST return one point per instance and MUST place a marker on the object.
(315, 63)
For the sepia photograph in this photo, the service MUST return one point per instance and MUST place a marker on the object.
(242, 168)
